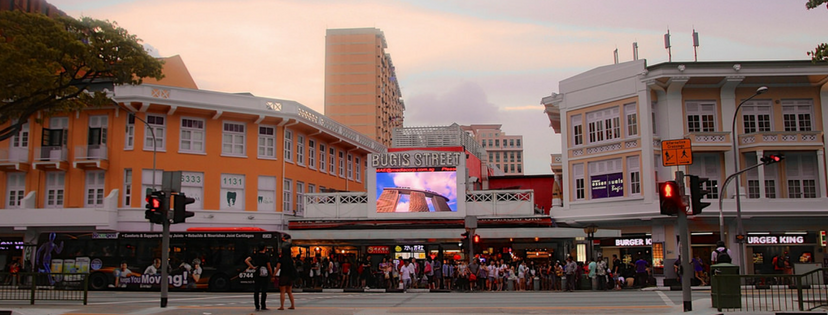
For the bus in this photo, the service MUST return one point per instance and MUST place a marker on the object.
(200, 258)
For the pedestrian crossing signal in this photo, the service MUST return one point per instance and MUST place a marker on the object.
(670, 198)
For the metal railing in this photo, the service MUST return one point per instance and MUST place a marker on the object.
(772, 292)
(44, 287)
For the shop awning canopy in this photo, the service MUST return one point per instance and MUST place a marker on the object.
(453, 233)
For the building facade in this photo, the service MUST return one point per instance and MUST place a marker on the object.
(504, 152)
(614, 118)
(247, 160)
(361, 87)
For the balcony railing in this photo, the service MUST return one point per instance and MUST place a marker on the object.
(781, 137)
(14, 155)
(52, 154)
(90, 152)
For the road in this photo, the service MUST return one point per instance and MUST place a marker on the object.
(336, 303)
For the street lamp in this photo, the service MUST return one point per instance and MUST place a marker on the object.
(739, 228)
(590, 232)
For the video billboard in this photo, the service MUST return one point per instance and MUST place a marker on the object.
(423, 189)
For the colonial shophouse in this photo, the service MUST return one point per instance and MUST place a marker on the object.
(613, 119)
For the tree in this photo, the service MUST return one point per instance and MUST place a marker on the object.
(59, 65)
(820, 53)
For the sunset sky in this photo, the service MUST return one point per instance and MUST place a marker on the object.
(469, 62)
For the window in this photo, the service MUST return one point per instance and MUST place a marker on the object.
(287, 195)
(300, 198)
(300, 150)
(54, 189)
(147, 178)
(312, 153)
(800, 170)
(796, 114)
(604, 125)
(350, 167)
(490, 142)
(756, 116)
(518, 143)
(332, 161)
(322, 159)
(770, 172)
(311, 188)
(578, 177)
(267, 142)
(266, 199)
(192, 135)
(128, 187)
(701, 116)
(341, 164)
(129, 143)
(511, 168)
(358, 169)
(497, 143)
(55, 138)
(707, 165)
(577, 130)
(94, 189)
(483, 143)
(634, 168)
(159, 126)
(19, 150)
(511, 143)
(15, 189)
(232, 192)
(632, 119)
(653, 114)
(520, 168)
(520, 156)
(288, 145)
(232, 140)
(491, 156)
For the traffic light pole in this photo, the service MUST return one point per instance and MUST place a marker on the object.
(165, 253)
(684, 250)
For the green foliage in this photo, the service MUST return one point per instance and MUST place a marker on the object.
(820, 53)
(49, 65)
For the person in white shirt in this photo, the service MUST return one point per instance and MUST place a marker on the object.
(406, 272)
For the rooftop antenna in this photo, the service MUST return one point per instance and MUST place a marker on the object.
(667, 46)
(615, 54)
(695, 45)
(635, 50)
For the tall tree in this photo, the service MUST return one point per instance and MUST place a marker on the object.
(56, 65)
(820, 53)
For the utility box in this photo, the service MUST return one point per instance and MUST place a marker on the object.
(726, 286)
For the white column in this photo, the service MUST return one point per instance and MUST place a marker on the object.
(821, 173)
(728, 108)
(761, 177)
(648, 181)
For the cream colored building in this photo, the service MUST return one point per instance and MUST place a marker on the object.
(613, 119)
(504, 152)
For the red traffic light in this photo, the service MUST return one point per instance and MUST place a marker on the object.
(770, 159)
(669, 190)
(477, 238)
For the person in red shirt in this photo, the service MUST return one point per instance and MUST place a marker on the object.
(346, 272)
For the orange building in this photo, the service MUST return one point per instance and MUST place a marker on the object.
(246, 160)
(361, 88)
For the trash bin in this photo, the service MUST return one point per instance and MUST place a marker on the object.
(510, 284)
(537, 284)
(725, 292)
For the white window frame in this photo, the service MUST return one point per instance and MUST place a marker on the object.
(798, 114)
(631, 118)
(300, 149)
(266, 188)
(233, 141)
(266, 145)
(341, 156)
(577, 130)
(300, 198)
(15, 189)
(236, 183)
(578, 181)
(358, 169)
(332, 161)
(350, 167)
(653, 119)
(191, 130)
(634, 173)
(708, 165)
(288, 145)
(129, 132)
(604, 125)
(55, 188)
(701, 116)
(158, 123)
(802, 180)
(19, 149)
(312, 154)
(311, 188)
(757, 116)
(323, 162)
(94, 189)
(127, 187)
(287, 195)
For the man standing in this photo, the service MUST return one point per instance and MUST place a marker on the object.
(641, 274)
(721, 255)
(259, 263)
(570, 269)
(593, 268)
(406, 273)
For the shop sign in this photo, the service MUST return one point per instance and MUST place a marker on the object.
(378, 250)
(410, 248)
(7, 245)
(606, 186)
(776, 239)
(628, 242)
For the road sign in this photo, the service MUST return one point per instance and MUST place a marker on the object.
(676, 152)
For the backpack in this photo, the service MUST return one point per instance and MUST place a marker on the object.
(722, 256)
(263, 272)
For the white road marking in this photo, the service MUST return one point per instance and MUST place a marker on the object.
(664, 298)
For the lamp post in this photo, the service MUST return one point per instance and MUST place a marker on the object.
(590, 232)
(740, 231)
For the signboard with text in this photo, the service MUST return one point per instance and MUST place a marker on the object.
(676, 152)
(607, 186)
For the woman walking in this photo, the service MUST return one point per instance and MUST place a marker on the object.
(287, 272)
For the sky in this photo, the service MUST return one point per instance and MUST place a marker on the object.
(457, 61)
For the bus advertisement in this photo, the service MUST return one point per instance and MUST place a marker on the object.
(201, 258)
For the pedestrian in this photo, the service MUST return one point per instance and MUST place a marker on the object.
(406, 274)
(698, 270)
(641, 274)
(601, 274)
(438, 273)
(448, 274)
(259, 263)
(593, 267)
(721, 255)
(287, 273)
(570, 270)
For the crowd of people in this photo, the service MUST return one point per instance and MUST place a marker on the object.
(480, 274)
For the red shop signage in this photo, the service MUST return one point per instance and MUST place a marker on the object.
(378, 250)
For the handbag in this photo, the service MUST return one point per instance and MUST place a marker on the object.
(472, 277)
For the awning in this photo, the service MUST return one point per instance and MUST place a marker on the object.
(450, 233)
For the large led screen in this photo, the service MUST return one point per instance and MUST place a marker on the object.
(422, 189)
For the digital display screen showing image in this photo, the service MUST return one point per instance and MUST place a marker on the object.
(423, 189)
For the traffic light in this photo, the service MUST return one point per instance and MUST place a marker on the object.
(156, 207)
(464, 236)
(670, 198)
(697, 192)
(770, 159)
(180, 213)
(476, 238)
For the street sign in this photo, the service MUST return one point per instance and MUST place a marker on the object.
(676, 152)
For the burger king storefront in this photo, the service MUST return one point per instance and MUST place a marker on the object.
(803, 249)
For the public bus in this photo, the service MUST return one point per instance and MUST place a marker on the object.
(201, 258)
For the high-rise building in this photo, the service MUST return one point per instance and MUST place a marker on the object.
(504, 152)
(361, 88)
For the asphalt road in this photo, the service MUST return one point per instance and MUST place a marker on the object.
(336, 303)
